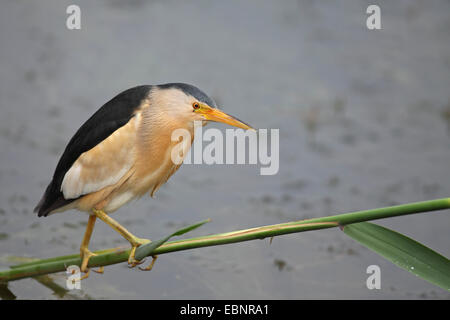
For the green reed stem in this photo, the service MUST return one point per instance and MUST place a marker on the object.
(118, 255)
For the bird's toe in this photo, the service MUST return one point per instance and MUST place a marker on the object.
(150, 266)
(137, 242)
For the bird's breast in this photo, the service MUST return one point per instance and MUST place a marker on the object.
(142, 180)
(154, 164)
(152, 167)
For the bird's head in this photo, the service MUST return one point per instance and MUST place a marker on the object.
(191, 104)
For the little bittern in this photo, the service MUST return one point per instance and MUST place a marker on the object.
(124, 151)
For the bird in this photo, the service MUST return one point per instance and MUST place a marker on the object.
(122, 152)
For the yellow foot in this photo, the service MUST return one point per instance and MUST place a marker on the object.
(100, 270)
(86, 254)
(150, 266)
(86, 274)
(135, 243)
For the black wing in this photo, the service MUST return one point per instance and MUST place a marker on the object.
(110, 117)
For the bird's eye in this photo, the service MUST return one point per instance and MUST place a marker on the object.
(195, 105)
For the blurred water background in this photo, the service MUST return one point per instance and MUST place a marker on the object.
(364, 119)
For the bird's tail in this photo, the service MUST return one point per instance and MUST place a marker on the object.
(50, 201)
(40, 209)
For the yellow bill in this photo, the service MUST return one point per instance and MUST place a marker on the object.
(212, 114)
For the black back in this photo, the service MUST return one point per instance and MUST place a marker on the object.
(110, 117)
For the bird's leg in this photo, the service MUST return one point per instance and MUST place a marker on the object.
(132, 239)
(85, 253)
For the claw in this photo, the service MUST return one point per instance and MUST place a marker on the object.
(86, 274)
(86, 254)
(150, 266)
(100, 270)
(132, 262)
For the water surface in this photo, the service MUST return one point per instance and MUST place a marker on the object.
(364, 119)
